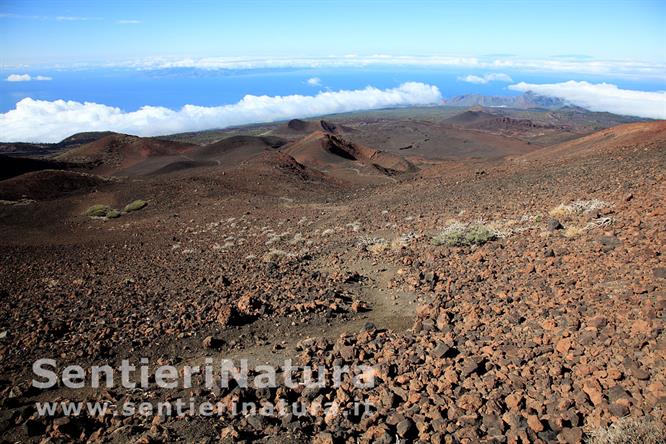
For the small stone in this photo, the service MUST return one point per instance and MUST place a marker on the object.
(34, 428)
(593, 391)
(618, 410)
(470, 402)
(256, 421)
(640, 327)
(323, 438)
(598, 322)
(534, 423)
(369, 326)
(405, 428)
(608, 243)
(554, 224)
(571, 435)
(430, 277)
(358, 306)
(634, 370)
(226, 316)
(513, 401)
(65, 425)
(229, 434)
(470, 365)
(442, 321)
(616, 393)
(440, 350)
(563, 345)
(211, 342)
(424, 311)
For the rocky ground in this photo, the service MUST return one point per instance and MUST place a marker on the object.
(519, 300)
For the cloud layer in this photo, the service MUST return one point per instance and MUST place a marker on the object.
(487, 78)
(314, 81)
(25, 78)
(617, 68)
(603, 97)
(46, 121)
(630, 69)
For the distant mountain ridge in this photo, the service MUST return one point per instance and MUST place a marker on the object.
(524, 101)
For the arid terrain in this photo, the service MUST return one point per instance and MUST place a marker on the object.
(502, 270)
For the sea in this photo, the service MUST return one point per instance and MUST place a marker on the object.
(129, 88)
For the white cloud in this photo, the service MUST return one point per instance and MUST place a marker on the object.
(70, 18)
(128, 22)
(25, 78)
(18, 78)
(629, 69)
(617, 68)
(45, 121)
(314, 81)
(473, 79)
(603, 97)
(491, 77)
(60, 18)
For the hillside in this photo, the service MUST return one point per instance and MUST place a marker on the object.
(116, 152)
(618, 140)
(498, 291)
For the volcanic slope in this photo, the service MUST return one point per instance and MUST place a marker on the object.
(49, 184)
(631, 136)
(345, 160)
(531, 291)
(224, 153)
(116, 152)
(298, 128)
(15, 166)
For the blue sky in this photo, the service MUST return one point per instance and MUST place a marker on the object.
(157, 67)
(66, 32)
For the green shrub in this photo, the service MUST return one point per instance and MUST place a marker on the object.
(98, 210)
(135, 206)
(460, 235)
(112, 214)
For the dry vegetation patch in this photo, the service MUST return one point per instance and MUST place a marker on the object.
(644, 430)
(578, 207)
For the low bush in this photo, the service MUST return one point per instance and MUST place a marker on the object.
(112, 214)
(460, 234)
(135, 206)
(98, 210)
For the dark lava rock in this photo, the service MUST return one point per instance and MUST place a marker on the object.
(554, 224)
(34, 428)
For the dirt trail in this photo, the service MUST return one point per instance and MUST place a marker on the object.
(386, 308)
(390, 308)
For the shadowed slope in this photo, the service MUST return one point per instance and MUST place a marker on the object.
(224, 153)
(48, 184)
(117, 152)
(15, 166)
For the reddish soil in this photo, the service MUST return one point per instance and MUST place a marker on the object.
(548, 328)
